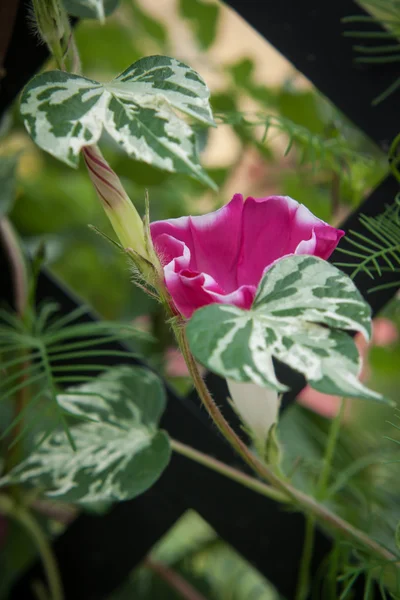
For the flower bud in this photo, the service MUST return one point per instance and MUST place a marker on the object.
(53, 26)
(123, 216)
(257, 407)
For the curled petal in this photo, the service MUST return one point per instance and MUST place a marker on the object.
(305, 225)
(222, 256)
(191, 291)
(213, 239)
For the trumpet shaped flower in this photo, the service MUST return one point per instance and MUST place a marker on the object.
(221, 256)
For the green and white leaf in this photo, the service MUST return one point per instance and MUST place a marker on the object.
(8, 166)
(90, 9)
(141, 110)
(313, 290)
(302, 305)
(120, 452)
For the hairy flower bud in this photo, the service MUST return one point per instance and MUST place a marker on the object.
(53, 27)
(257, 407)
(123, 216)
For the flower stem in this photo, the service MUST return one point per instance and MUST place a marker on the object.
(20, 285)
(176, 582)
(17, 265)
(307, 503)
(216, 465)
(330, 451)
(394, 159)
(321, 489)
(9, 508)
(303, 583)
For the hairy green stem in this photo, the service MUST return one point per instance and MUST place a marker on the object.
(54, 28)
(23, 516)
(216, 465)
(334, 430)
(308, 504)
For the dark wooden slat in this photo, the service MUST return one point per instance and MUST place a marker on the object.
(310, 35)
(8, 12)
(24, 57)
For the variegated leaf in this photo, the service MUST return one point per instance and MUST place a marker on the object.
(174, 82)
(140, 109)
(90, 9)
(299, 302)
(64, 112)
(120, 452)
(314, 290)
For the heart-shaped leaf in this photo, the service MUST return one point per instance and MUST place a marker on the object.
(302, 305)
(120, 452)
(64, 112)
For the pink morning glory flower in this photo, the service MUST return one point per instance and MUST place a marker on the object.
(222, 256)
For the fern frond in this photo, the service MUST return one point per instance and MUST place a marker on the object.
(65, 320)
(383, 9)
(387, 14)
(334, 153)
(44, 315)
(39, 359)
(378, 251)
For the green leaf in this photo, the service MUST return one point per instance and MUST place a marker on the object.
(298, 301)
(149, 25)
(90, 9)
(204, 19)
(8, 165)
(243, 75)
(120, 452)
(64, 112)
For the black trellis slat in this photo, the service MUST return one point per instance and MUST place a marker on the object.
(95, 554)
(310, 35)
(23, 58)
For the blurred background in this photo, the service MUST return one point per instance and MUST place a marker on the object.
(331, 167)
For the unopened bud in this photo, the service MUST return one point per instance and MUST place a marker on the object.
(257, 407)
(53, 27)
(122, 214)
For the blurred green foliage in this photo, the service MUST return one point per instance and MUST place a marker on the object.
(204, 19)
(8, 166)
(193, 551)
